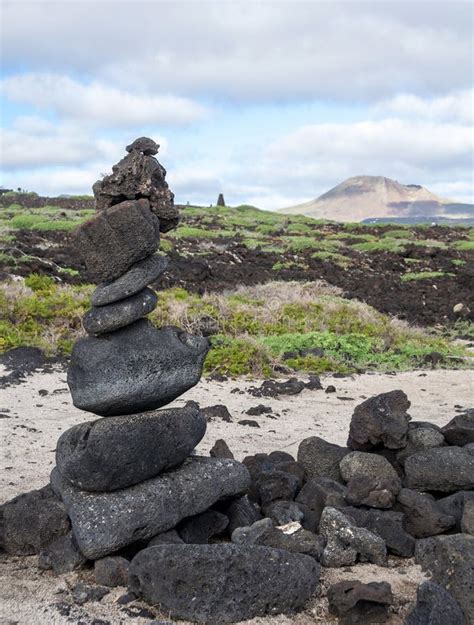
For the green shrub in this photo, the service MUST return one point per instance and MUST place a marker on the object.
(424, 275)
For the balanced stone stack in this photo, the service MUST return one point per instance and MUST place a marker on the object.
(125, 483)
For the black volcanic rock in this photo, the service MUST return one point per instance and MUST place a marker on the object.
(320, 458)
(102, 319)
(113, 240)
(356, 603)
(223, 583)
(435, 606)
(114, 453)
(460, 430)
(134, 369)
(62, 555)
(380, 420)
(105, 522)
(423, 517)
(445, 469)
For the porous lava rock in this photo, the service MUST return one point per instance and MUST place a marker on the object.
(132, 281)
(113, 240)
(422, 515)
(106, 522)
(134, 369)
(282, 512)
(435, 606)
(371, 480)
(445, 469)
(223, 583)
(419, 438)
(199, 529)
(453, 505)
(380, 420)
(112, 571)
(320, 458)
(315, 495)
(467, 521)
(62, 555)
(102, 319)
(220, 449)
(460, 430)
(242, 512)
(114, 453)
(356, 603)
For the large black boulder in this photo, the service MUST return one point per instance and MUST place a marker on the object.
(223, 583)
(445, 469)
(105, 522)
(135, 369)
(114, 453)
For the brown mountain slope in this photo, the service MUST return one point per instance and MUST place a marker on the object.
(363, 197)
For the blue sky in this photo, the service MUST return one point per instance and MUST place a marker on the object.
(270, 102)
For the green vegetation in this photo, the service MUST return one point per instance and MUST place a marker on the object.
(464, 245)
(424, 275)
(254, 327)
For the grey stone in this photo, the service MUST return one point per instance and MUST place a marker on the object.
(219, 411)
(139, 276)
(220, 449)
(106, 522)
(418, 439)
(139, 175)
(166, 538)
(223, 583)
(382, 419)
(345, 542)
(251, 534)
(315, 495)
(467, 521)
(453, 505)
(116, 238)
(241, 513)
(445, 469)
(388, 525)
(273, 485)
(144, 145)
(359, 604)
(320, 458)
(279, 457)
(423, 517)
(102, 319)
(283, 512)
(199, 529)
(82, 593)
(450, 560)
(30, 522)
(114, 453)
(112, 571)
(134, 369)
(62, 555)
(435, 606)
(460, 430)
(372, 480)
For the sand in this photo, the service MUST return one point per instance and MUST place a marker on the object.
(34, 414)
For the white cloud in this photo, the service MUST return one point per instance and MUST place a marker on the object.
(248, 50)
(98, 103)
(457, 106)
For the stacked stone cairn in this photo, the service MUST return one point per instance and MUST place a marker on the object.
(124, 483)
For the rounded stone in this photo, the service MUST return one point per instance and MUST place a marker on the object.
(103, 319)
(109, 454)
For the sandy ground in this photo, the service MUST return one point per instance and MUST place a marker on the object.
(34, 414)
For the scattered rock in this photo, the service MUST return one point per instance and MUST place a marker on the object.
(256, 411)
(330, 389)
(313, 383)
(30, 522)
(112, 572)
(198, 529)
(356, 603)
(251, 534)
(106, 522)
(102, 319)
(382, 419)
(467, 521)
(219, 411)
(115, 239)
(280, 457)
(134, 369)
(345, 541)
(221, 450)
(139, 276)
(223, 583)
(423, 517)
(241, 513)
(274, 388)
(450, 559)
(114, 453)
(62, 555)
(320, 458)
(435, 606)
(249, 422)
(81, 593)
(444, 469)
(460, 430)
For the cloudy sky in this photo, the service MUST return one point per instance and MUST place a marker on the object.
(270, 102)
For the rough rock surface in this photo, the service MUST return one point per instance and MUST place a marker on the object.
(139, 276)
(106, 522)
(315, 495)
(102, 319)
(198, 529)
(166, 538)
(460, 430)
(241, 513)
(134, 369)
(418, 439)
(444, 469)
(274, 485)
(382, 419)
(467, 520)
(220, 449)
(139, 175)
(435, 606)
(450, 560)
(113, 240)
(454, 504)
(345, 541)
(371, 480)
(30, 522)
(320, 458)
(109, 454)
(282, 512)
(423, 517)
(62, 555)
(112, 572)
(290, 537)
(223, 583)
(357, 603)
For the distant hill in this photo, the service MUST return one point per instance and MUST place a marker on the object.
(362, 198)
